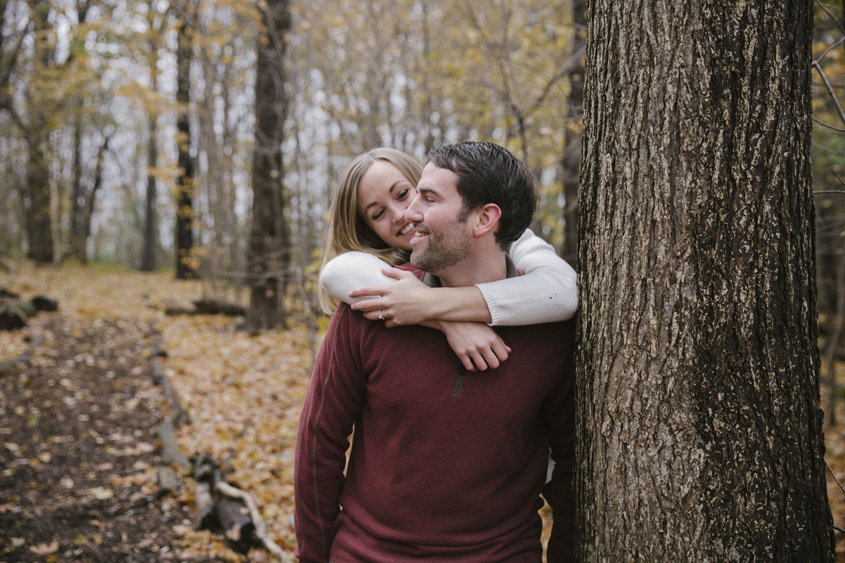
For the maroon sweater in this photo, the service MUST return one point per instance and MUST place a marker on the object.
(446, 465)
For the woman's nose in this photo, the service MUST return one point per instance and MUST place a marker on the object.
(397, 210)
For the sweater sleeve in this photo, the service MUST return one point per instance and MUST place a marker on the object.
(548, 292)
(352, 270)
(332, 405)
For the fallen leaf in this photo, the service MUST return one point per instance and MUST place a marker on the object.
(80, 540)
(44, 548)
(101, 493)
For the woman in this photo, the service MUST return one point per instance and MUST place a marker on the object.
(367, 233)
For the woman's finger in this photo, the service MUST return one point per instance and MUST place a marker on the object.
(396, 273)
(501, 351)
(479, 361)
(372, 315)
(372, 291)
(367, 305)
(467, 362)
(490, 358)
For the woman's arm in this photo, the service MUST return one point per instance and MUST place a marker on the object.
(475, 344)
(548, 292)
(352, 270)
(352, 277)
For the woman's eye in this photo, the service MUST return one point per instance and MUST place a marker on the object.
(403, 194)
(377, 215)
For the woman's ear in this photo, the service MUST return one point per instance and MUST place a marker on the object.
(488, 219)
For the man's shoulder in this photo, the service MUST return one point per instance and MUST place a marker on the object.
(408, 267)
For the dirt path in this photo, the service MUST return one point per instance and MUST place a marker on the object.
(78, 451)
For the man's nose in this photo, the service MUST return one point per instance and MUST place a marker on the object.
(413, 214)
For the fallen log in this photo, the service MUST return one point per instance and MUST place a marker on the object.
(178, 414)
(257, 523)
(44, 303)
(213, 305)
(207, 305)
(225, 508)
(220, 506)
(179, 307)
(169, 447)
(167, 481)
(15, 314)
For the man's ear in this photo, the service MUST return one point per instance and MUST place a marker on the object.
(488, 219)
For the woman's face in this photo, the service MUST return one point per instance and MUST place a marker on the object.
(383, 195)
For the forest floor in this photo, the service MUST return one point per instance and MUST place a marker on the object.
(79, 453)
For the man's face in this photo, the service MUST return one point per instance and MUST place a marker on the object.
(440, 239)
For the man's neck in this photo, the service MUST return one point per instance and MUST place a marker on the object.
(481, 268)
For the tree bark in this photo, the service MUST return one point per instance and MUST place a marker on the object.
(39, 219)
(148, 256)
(185, 259)
(269, 244)
(91, 200)
(148, 259)
(76, 195)
(37, 199)
(699, 423)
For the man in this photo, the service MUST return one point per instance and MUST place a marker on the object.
(446, 465)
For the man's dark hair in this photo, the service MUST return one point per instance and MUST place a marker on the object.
(488, 173)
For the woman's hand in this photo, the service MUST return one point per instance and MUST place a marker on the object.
(405, 302)
(476, 344)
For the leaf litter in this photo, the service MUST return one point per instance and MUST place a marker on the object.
(78, 451)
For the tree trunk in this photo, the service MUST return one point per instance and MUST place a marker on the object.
(38, 215)
(269, 245)
(148, 259)
(185, 260)
(699, 424)
(91, 200)
(76, 196)
(148, 256)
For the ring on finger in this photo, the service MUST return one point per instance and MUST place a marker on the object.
(380, 315)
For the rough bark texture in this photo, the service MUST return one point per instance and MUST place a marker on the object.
(268, 246)
(699, 426)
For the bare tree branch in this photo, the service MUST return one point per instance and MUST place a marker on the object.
(830, 91)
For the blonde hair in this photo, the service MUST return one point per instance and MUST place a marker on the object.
(346, 229)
